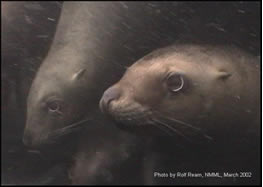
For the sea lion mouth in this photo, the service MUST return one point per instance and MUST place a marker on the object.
(137, 122)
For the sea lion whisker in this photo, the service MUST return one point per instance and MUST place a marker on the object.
(197, 130)
(182, 123)
(68, 129)
(161, 128)
(172, 128)
(75, 125)
(177, 121)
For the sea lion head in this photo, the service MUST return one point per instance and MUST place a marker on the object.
(187, 91)
(55, 106)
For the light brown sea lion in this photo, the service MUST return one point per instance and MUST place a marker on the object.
(196, 92)
(207, 98)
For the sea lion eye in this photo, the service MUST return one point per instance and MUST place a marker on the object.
(175, 82)
(53, 106)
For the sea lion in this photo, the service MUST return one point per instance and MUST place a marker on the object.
(62, 102)
(93, 44)
(189, 90)
(205, 97)
(82, 61)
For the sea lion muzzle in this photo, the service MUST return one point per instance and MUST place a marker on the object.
(109, 95)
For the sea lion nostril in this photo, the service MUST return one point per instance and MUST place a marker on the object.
(110, 94)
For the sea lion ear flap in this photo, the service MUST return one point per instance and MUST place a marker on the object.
(223, 75)
(78, 75)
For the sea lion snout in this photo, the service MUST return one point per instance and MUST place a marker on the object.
(109, 95)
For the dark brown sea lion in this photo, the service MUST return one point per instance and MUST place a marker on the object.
(63, 99)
